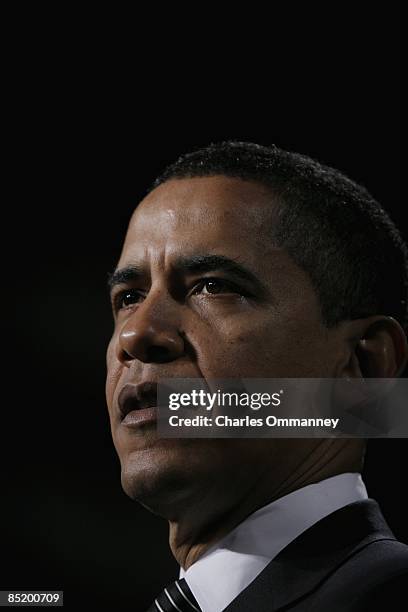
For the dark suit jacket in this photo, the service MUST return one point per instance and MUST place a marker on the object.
(350, 561)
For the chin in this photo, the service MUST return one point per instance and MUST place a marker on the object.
(159, 478)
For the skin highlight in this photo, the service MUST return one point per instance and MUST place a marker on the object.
(174, 318)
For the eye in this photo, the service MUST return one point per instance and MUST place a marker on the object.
(211, 286)
(126, 298)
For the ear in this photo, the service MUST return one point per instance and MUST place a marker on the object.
(378, 348)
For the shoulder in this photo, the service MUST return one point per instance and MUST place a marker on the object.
(391, 592)
(382, 556)
(370, 579)
(385, 565)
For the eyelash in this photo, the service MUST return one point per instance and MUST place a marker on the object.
(231, 288)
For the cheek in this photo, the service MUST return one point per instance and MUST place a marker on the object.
(261, 347)
(114, 369)
(232, 346)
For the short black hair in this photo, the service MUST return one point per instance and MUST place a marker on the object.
(330, 226)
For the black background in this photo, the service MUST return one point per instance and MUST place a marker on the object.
(82, 167)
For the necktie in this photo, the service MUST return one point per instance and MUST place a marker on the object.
(175, 597)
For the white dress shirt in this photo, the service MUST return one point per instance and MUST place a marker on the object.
(229, 566)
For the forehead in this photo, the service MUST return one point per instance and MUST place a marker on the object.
(206, 214)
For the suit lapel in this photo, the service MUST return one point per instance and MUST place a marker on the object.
(307, 561)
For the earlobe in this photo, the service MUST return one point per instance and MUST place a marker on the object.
(381, 351)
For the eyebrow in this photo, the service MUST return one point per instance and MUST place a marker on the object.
(124, 275)
(193, 264)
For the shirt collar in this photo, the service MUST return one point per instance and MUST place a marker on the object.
(231, 564)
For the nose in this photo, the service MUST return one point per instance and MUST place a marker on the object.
(151, 334)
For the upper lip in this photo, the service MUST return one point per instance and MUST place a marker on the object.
(137, 397)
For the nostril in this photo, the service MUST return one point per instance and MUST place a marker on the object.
(124, 356)
(158, 354)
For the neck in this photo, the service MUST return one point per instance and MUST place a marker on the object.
(213, 514)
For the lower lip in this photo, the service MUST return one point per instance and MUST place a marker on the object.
(135, 418)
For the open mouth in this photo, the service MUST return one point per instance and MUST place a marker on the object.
(137, 398)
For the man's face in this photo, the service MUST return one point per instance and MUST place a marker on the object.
(209, 296)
